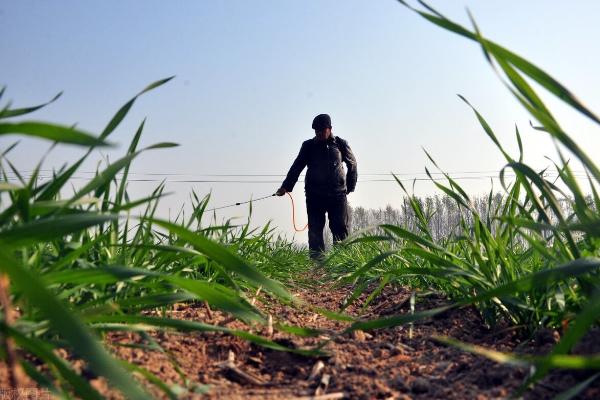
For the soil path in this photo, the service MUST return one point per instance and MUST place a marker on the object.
(395, 363)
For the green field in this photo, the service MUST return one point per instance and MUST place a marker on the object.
(78, 264)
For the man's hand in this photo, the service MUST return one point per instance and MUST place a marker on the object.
(280, 192)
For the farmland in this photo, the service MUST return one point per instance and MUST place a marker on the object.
(102, 298)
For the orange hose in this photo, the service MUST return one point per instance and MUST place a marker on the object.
(294, 215)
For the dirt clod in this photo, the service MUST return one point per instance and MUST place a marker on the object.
(419, 385)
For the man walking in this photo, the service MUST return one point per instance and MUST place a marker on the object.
(325, 185)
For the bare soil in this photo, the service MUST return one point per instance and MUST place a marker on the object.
(396, 363)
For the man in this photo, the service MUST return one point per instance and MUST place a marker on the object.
(325, 184)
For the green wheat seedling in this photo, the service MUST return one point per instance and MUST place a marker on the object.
(96, 260)
(531, 260)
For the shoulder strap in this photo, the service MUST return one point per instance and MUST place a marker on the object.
(343, 146)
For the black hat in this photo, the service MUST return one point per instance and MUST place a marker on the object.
(321, 121)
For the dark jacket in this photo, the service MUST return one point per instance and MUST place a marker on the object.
(325, 173)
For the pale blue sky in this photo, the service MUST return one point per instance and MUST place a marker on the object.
(251, 75)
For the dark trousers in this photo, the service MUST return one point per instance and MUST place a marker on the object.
(336, 207)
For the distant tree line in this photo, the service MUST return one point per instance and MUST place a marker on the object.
(443, 213)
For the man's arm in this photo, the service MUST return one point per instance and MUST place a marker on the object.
(351, 166)
(294, 172)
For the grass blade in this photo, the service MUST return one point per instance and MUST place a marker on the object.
(56, 133)
(69, 326)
